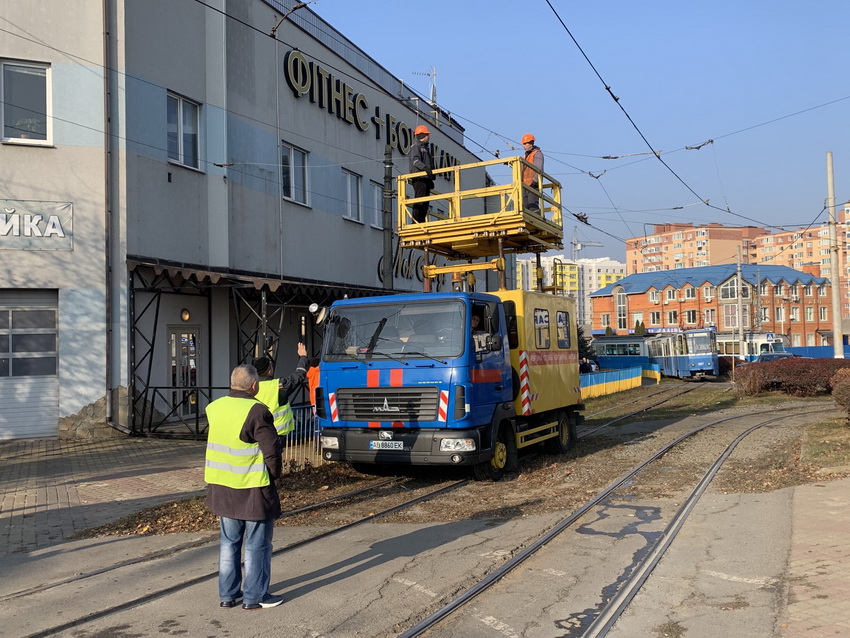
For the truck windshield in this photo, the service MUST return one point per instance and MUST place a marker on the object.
(400, 331)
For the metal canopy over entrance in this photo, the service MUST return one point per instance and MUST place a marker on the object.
(258, 306)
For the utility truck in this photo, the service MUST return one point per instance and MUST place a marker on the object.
(459, 378)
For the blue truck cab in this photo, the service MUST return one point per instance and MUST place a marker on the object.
(413, 379)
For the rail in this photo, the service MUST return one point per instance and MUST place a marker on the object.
(178, 412)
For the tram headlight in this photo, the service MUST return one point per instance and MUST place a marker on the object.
(330, 442)
(457, 445)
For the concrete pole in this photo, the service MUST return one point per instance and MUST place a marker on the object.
(835, 279)
(387, 271)
(741, 344)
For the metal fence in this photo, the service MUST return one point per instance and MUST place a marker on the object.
(302, 447)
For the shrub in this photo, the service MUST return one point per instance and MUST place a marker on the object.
(840, 382)
(798, 376)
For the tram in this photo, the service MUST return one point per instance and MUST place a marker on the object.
(689, 354)
(728, 344)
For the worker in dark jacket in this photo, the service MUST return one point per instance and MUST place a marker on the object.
(275, 392)
(421, 160)
(243, 460)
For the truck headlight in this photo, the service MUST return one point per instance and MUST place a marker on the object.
(457, 445)
(330, 442)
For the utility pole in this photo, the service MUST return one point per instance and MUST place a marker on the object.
(837, 336)
(741, 344)
(387, 270)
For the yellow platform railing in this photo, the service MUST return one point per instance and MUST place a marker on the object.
(482, 221)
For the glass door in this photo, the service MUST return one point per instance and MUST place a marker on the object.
(183, 374)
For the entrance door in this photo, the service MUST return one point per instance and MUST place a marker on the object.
(183, 373)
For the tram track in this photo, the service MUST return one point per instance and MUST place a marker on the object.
(523, 548)
(613, 608)
(165, 591)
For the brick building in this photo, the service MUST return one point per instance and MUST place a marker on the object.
(774, 299)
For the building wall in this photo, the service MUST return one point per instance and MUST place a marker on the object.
(69, 171)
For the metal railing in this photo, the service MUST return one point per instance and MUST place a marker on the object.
(157, 414)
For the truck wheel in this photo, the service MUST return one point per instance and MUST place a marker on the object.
(562, 443)
(494, 469)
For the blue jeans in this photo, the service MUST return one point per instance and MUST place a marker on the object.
(257, 537)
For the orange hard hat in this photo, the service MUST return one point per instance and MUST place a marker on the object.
(421, 130)
(527, 138)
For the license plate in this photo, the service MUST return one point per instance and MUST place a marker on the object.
(386, 445)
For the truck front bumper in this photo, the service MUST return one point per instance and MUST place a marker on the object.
(403, 447)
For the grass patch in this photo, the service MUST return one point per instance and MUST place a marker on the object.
(827, 444)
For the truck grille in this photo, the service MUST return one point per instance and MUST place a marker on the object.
(388, 404)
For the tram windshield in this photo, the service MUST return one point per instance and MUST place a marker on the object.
(396, 331)
(700, 343)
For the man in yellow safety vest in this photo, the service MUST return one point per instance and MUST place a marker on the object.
(275, 392)
(243, 460)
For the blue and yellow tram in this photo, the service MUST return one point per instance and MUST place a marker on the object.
(689, 354)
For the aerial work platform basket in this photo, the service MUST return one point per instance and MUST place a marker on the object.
(484, 221)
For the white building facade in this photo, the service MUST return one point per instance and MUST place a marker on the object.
(176, 193)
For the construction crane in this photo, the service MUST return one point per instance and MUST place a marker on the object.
(578, 246)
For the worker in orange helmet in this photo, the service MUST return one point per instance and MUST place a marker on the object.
(421, 160)
(533, 155)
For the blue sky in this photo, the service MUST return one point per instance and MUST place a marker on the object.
(765, 79)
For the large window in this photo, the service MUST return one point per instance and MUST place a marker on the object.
(183, 128)
(352, 196)
(27, 343)
(293, 173)
(25, 99)
(376, 205)
(620, 296)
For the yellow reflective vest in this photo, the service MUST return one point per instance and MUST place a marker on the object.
(269, 393)
(230, 461)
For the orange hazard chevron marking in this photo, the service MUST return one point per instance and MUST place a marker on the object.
(524, 388)
(334, 410)
(443, 411)
(486, 376)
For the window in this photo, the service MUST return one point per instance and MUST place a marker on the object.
(620, 296)
(376, 204)
(293, 173)
(779, 313)
(672, 318)
(606, 320)
(352, 195)
(795, 313)
(708, 293)
(729, 290)
(25, 98)
(690, 292)
(562, 319)
(655, 318)
(671, 294)
(730, 316)
(27, 343)
(182, 127)
(822, 290)
(654, 296)
(807, 289)
(810, 313)
(690, 317)
(823, 316)
(541, 329)
(764, 313)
